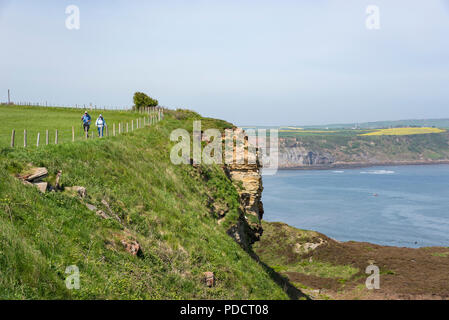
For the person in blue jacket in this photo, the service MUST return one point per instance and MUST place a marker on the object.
(86, 122)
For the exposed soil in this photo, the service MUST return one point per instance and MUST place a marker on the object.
(405, 273)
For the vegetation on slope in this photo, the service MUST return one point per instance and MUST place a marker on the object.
(351, 146)
(162, 206)
(327, 269)
(403, 131)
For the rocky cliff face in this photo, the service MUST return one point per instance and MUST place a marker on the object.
(293, 153)
(331, 151)
(247, 179)
(299, 156)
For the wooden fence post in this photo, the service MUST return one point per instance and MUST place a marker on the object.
(73, 133)
(13, 137)
(56, 136)
(107, 131)
(38, 138)
(46, 136)
(127, 128)
(119, 127)
(86, 134)
(132, 125)
(25, 138)
(113, 129)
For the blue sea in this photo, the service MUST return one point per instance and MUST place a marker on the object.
(406, 206)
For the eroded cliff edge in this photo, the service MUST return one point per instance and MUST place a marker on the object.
(247, 179)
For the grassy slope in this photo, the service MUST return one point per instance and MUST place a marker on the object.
(328, 269)
(162, 205)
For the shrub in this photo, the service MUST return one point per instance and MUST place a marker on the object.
(141, 100)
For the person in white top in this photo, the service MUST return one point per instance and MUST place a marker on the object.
(100, 123)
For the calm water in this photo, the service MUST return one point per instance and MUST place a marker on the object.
(411, 208)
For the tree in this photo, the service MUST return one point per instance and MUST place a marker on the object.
(141, 100)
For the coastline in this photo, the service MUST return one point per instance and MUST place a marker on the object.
(324, 268)
(351, 165)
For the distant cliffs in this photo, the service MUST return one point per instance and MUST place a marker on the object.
(339, 151)
(299, 156)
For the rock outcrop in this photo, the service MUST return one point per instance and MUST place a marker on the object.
(209, 279)
(34, 177)
(299, 156)
(247, 179)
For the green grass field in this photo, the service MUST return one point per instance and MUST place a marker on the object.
(161, 205)
(39, 119)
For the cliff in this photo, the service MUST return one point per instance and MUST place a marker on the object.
(346, 150)
(247, 180)
(135, 225)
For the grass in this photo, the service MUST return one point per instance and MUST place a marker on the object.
(323, 269)
(38, 119)
(163, 206)
(283, 248)
(441, 254)
(403, 131)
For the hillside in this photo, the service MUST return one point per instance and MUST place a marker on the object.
(344, 148)
(442, 123)
(328, 269)
(138, 200)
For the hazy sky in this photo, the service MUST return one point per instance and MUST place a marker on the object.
(249, 62)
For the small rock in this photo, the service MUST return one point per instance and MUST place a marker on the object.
(209, 279)
(36, 174)
(91, 207)
(42, 186)
(131, 246)
(102, 214)
(26, 183)
(106, 204)
(58, 177)
(80, 190)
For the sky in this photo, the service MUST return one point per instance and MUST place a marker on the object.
(249, 62)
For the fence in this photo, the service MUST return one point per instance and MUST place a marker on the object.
(88, 106)
(151, 116)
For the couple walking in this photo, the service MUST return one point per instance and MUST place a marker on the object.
(100, 123)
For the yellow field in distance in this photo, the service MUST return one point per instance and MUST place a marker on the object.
(403, 131)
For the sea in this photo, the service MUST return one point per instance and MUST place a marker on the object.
(405, 206)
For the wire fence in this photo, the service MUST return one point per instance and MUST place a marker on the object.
(147, 116)
(85, 106)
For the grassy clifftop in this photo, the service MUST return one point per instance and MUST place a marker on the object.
(164, 207)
